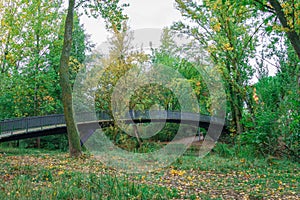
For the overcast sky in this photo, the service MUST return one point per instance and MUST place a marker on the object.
(141, 13)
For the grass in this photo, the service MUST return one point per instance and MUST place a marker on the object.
(38, 174)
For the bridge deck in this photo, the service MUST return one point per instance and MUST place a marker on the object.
(21, 128)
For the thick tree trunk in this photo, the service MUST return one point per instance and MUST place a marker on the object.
(73, 136)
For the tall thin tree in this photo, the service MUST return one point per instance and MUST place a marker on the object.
(73, 136)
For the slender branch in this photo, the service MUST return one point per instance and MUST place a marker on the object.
(269, 8)
(254, 33)
(266, 61)
(80, 3)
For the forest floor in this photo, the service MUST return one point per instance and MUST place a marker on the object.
(40, 174)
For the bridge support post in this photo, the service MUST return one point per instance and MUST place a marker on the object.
(38, 142)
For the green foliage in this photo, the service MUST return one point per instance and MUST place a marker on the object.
(264, 135)
(110, 11)
(148, 144)
(28, 80)
(227, 34)
(50, 143)
(190, 73)
(245, 151)
(78, 185)
(265, 114)
(29, 85)
(148, 147)
(120, 138)
(224, 150)
(167, 133)
(123, 140)
(276, 127)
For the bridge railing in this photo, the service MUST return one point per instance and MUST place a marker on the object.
(27, 124)
(161, 114)
(88, 117)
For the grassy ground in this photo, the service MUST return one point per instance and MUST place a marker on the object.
(33, 174)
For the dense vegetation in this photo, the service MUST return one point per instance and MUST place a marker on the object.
(44, 47)
(263, 115)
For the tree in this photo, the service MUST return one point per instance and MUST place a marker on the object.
(185, 59)
(107, 70)
(113, 14)
(9, 33)
(28, 29)
(73, 136)
(222, 28)
(287, 13)
(81, 46)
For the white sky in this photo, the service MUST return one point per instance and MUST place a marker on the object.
(141, 13)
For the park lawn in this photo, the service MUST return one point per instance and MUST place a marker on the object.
(38, 174)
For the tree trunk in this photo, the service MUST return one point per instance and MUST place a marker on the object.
(38, 143)
(136, 131)
(236, 109)
(137, 135)
(238, 118)
(73, 136)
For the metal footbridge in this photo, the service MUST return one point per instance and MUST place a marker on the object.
(31, 127)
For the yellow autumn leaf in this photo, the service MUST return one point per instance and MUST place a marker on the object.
(227, 47)
(2, 23)
(177, 172)
(59, 173)
(217, 27)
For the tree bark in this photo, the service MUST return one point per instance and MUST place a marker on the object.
(236, 109)
(137, 135)
(136, 131)
(73, 136)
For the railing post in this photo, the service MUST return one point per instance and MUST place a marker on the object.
(12, 128)
(27, 122)
(41, 124)
(55, 121)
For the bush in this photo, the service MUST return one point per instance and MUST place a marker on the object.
(274, 128)
(224, 150)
